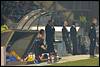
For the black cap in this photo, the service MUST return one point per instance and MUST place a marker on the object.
(9, 48)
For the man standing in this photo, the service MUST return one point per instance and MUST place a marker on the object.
(65, 37)
(50, 36)
(73, 35)
(92, 36)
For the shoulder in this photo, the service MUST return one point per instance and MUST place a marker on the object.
(62, 27)
(71, 27)
(36, 41)
(47, 25)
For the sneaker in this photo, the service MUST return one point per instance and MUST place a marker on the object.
(58, 58)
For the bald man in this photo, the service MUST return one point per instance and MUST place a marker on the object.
(92, 36)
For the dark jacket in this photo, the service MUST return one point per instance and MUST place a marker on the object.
(49, 33)
(65, 34)
(92, 32)
(37, 46)
(73, 32)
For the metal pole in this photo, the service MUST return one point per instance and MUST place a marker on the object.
(3, 55)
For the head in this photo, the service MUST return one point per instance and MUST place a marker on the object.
(73, 23)
(41, 34)
(50, 22)
(30, 53)
(9, 48)
(94, 21)
(65, 23)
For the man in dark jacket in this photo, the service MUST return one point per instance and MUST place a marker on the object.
(92, 36)
(73, 35)
(50, 36)
(65, 37)
(39, 46)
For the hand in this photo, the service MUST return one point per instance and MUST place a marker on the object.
(43, 47)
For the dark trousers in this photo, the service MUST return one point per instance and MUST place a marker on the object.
(68, 46)
(50, 47)
(75, 47)
(92, 46)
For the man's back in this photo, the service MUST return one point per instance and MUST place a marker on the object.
(73, 32)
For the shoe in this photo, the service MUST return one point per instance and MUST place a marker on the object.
(74, 54)
(59, 58)
(91, 56)
(36, 62)
(95, 56)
